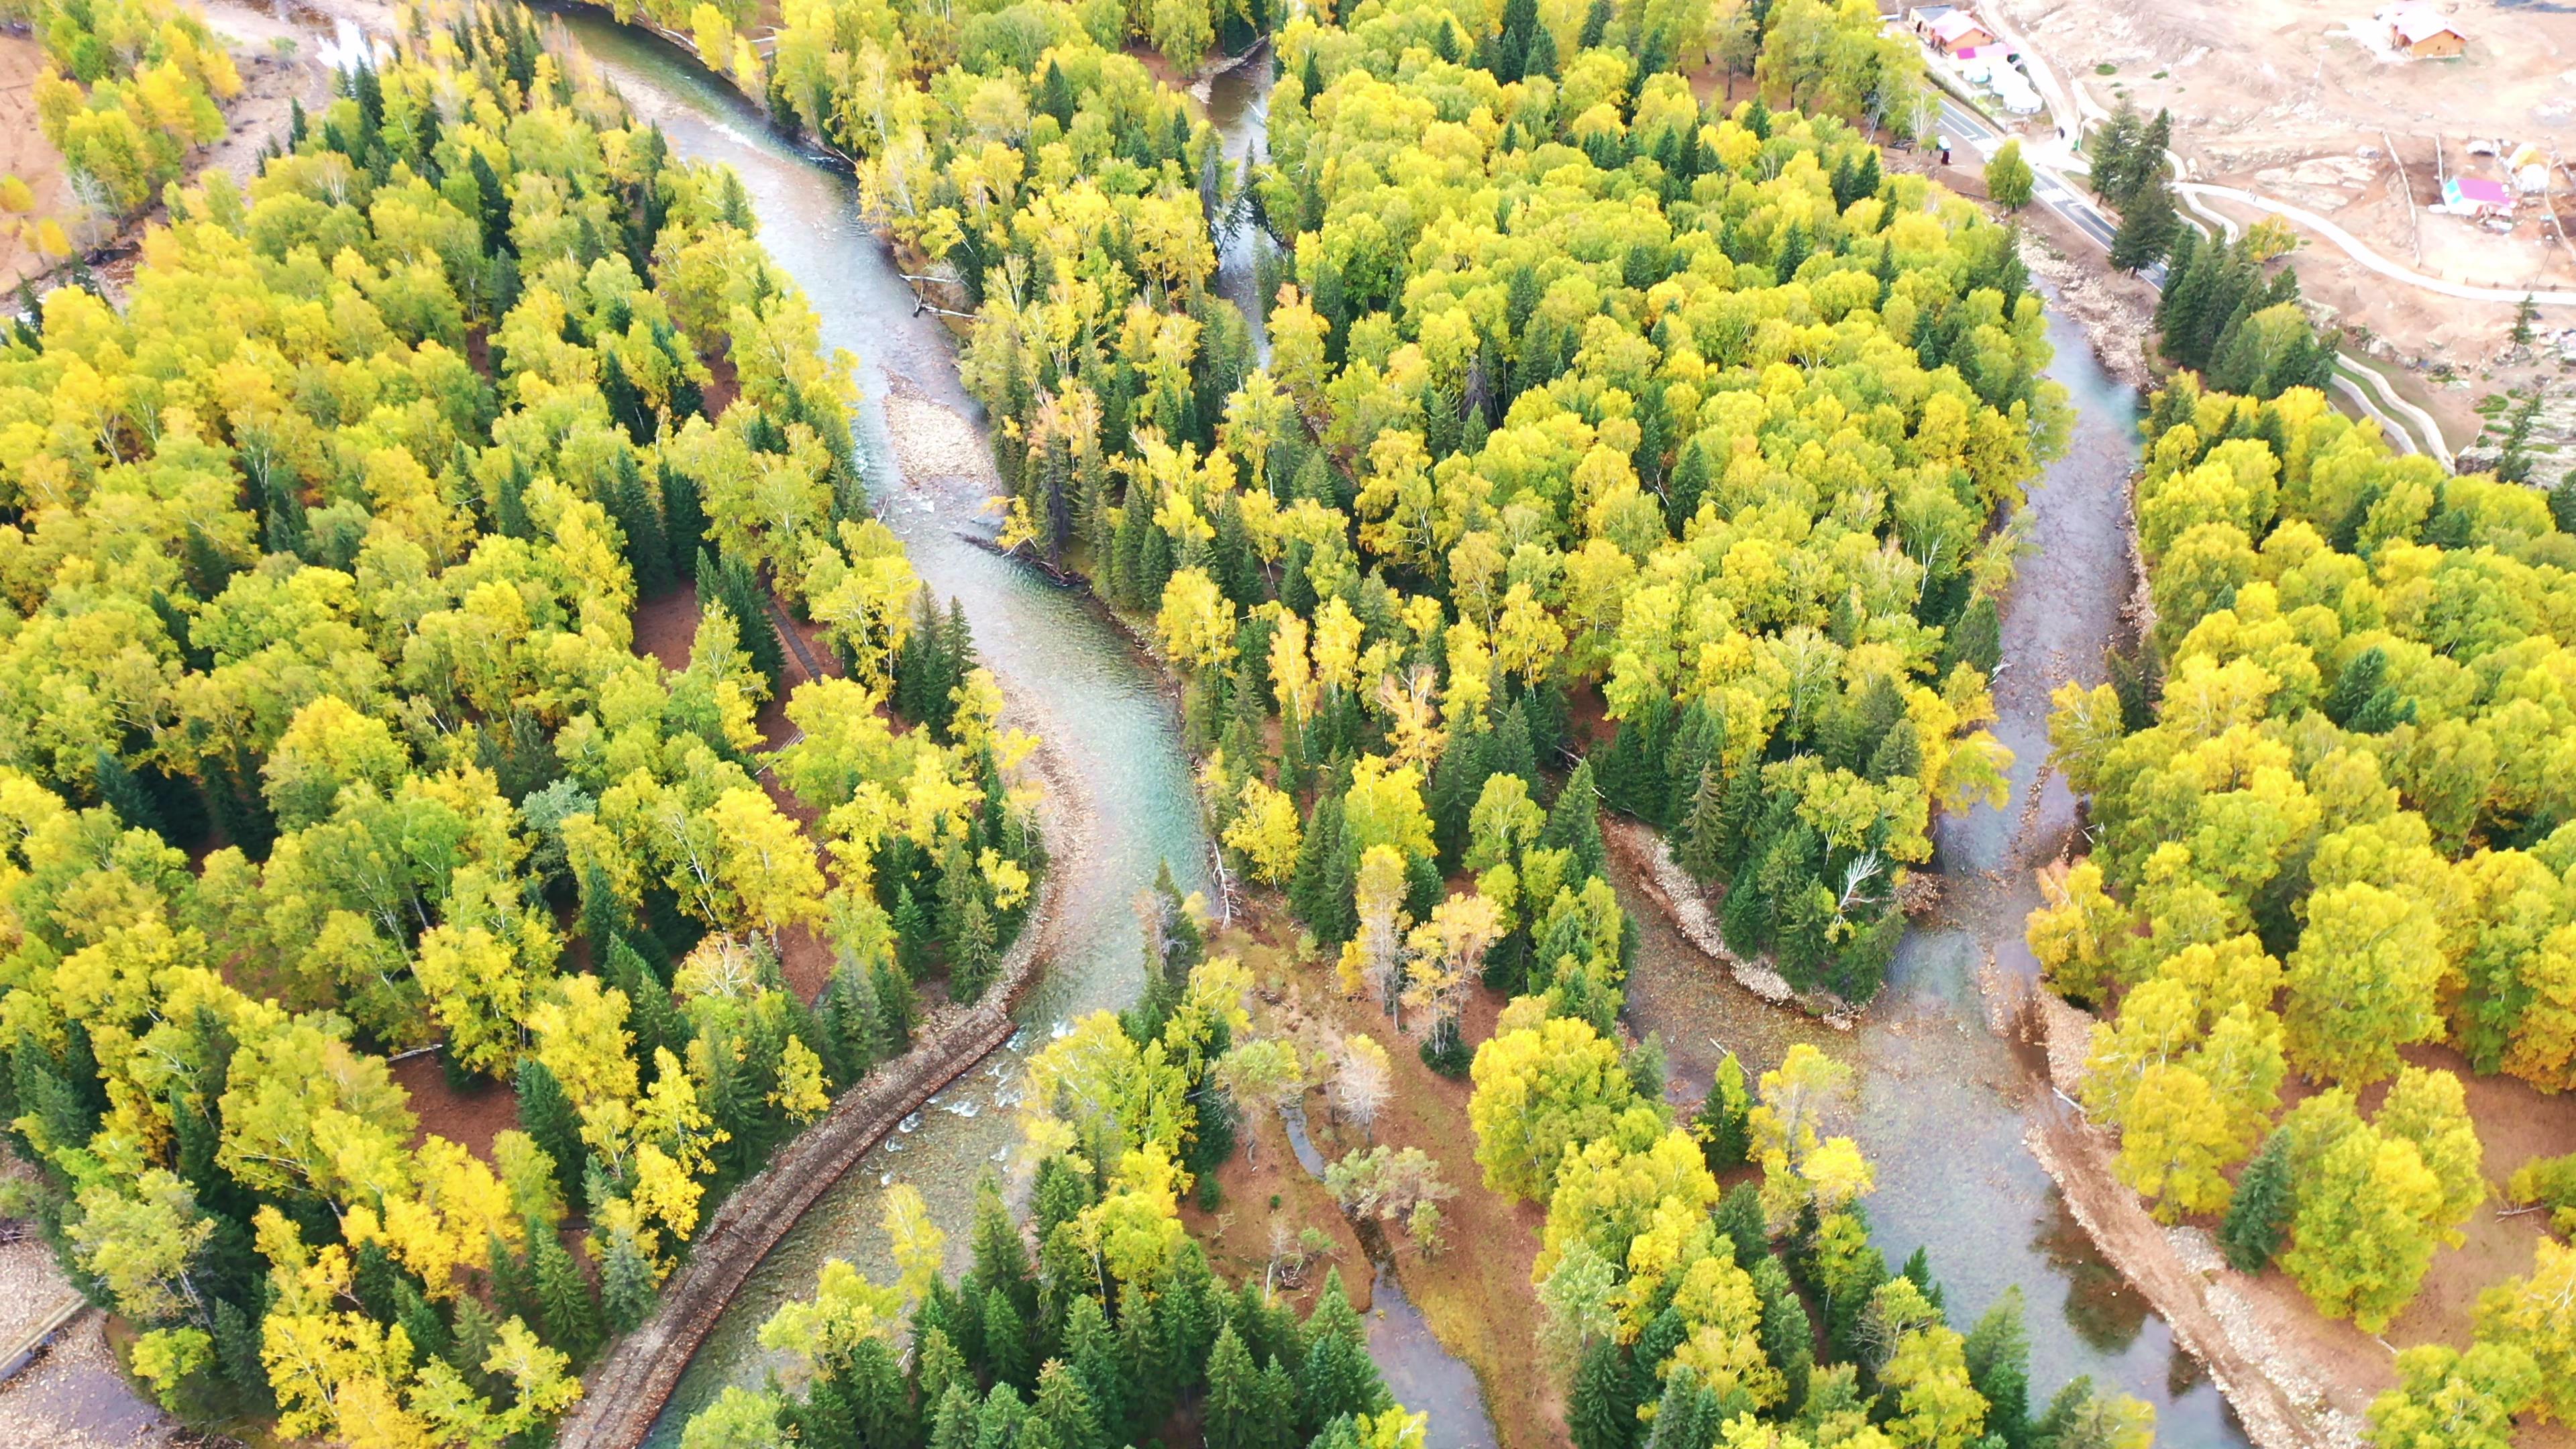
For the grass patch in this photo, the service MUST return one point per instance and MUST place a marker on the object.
(2106, 68)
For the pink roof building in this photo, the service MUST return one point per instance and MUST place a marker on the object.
(2477, 196)
(1959, 31)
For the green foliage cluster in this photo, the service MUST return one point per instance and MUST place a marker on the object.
(2330, 826)
(2244, 335)
(1116, 1321)
(129, 89)
(321, 563)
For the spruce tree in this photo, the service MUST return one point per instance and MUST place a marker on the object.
(1065, 1407)
(2113, 148)
(2260, 1211)
(894, 1009)
(1232, 1408)
(1788, 1337)
(1091, 1351)
(565, 1307)
(1337, 1377)
(625, 1284)
(122, 791)
(684, 519)
(1596, 1415)
(1724, 1122)
(1574, 823)
(1998, 1354)
(1702, 837)
(547, 1116)
(1008, 1354)
(2147, 226)
(648, 549)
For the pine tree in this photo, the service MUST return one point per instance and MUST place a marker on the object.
(547, 1116)
(1596, 1415)
(1998, 1355)
(2525, 313)
(2260, 1212)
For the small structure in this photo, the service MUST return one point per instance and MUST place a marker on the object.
(2475, 196)
(2420, 31)
(1959, 35)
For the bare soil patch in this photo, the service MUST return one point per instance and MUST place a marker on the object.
(1476, 1293)
(470, 1117)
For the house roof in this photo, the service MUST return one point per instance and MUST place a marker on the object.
(1958, 23)
(2479, 189)
(2417, 23)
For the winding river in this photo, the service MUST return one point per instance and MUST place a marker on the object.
(1071, 677)
(1945, 1098)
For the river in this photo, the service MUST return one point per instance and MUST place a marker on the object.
(1944, 1099)
(1070, 675)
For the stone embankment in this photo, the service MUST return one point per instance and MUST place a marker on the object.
(625, 1392)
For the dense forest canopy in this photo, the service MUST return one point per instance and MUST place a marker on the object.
(2333, 824)
(328, 737)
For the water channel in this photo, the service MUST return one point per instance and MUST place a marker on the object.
(1071, 677)
(1944, 1098)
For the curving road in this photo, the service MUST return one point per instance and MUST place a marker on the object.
(2360, 251)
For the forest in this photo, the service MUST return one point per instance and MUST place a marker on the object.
(1609, 400)
(1596, 441)
(2332, 831)
(329, 741)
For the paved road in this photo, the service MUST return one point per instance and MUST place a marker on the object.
(2049, 188)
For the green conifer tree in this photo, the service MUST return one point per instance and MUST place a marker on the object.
(1998, 1354)
(2260, 1212)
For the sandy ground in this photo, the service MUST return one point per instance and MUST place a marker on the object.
(73, 1396)
(2301, 100)
(24, 151)
(1476, 1292)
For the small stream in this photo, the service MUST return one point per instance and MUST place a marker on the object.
(1944, 1099)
